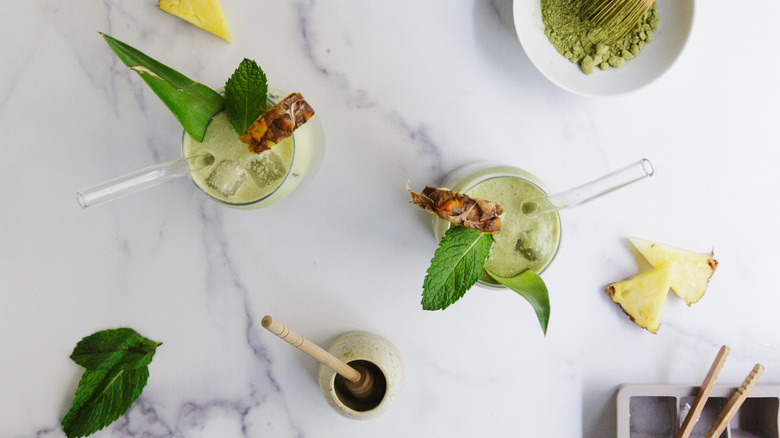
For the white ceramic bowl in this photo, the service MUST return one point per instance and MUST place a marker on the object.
(668, 42)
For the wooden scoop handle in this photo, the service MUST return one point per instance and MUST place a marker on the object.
(735, 402)
(311, 349)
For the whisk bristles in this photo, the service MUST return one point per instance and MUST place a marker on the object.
(613, 18)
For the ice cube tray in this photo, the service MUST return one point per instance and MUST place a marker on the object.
(655, 411)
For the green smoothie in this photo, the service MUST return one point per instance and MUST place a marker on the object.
(237, 175)
(523, 242)
(242, 179)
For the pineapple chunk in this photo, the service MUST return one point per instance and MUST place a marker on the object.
(642, 296)
(692, 270)
(206, 14)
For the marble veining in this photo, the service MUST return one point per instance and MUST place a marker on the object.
(407, 91)
(362, 100)
(218, 254)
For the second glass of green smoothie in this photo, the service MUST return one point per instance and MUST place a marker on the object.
(523, 242)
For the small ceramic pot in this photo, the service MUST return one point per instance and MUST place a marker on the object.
(381, 358)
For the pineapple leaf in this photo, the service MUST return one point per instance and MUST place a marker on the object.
(531, 287)
(192, 103)
(455, 267)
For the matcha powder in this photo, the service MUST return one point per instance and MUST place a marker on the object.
(574, 40)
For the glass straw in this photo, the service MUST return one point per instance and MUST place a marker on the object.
(142, 179)
(589, 191)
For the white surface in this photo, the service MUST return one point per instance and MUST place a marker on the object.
(655, 59)
(406, 90)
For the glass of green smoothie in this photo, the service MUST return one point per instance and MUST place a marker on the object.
(242, 179)
(224, 169)
(243, 145)
(524, 242)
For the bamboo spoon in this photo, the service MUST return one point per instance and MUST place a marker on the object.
(735, 402)
(360, 381)
(704, 393)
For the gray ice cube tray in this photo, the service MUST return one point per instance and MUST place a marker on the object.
(654, 411)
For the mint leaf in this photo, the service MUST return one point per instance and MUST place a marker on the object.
(531, 287)
(246, 93)
(455, 267)
(116, 362)
(192, 103)
(103, 395)
(108, 348)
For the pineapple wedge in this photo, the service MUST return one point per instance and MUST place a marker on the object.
(642, 296)
(206, 14)
(692, 270)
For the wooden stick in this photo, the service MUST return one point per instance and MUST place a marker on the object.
(704, 393)
(735, 402)
(360, 381)
(311, 349)
(363, 388)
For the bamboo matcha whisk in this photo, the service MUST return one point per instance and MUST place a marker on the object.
(613, 18)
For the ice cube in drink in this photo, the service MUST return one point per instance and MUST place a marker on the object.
(267, 169)
(226, 177)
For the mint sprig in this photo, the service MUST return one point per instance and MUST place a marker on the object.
(531, 287)
(246, 93)
(459, 263)
(192, 103)
(455, 267)
(105, 349)
(116, 363)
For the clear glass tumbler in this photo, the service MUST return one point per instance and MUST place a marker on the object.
(255, 181)
(225, 170)
(469, 179)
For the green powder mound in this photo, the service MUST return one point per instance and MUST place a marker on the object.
(575, 40)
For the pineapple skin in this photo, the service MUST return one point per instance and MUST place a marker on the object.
(206, 14)
(642, 297)
(693, 270)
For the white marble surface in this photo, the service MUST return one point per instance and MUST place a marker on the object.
(406, 90)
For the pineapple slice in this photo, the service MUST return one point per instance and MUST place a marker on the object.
(692, 270)
(206, 14)
(642, 296)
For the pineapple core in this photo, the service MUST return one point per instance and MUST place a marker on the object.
(206, 14)
(692, 271)
(642, 296)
